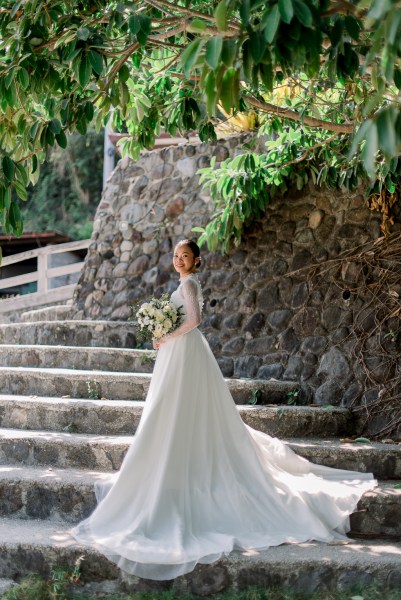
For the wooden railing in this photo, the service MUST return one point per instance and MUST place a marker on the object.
(44, 294)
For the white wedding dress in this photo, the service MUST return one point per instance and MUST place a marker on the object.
(197, 482)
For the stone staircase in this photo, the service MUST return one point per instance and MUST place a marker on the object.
(71, 396)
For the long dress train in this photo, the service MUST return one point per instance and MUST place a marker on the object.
(197, 482)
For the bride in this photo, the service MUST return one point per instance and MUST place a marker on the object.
(197, 482)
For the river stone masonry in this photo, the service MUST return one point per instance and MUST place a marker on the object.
(260, 321)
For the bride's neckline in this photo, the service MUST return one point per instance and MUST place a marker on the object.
(188, 276)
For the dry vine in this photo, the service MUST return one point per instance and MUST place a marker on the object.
(369, 281)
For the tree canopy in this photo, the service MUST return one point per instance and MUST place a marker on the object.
(324, 77)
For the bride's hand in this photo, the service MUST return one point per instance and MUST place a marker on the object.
(158, 342)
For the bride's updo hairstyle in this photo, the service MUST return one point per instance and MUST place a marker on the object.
(194, 247)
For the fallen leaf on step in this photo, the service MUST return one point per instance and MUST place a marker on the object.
(66, 396)
(347, 440)
(388, 441)
(339, 543)
(103, 398)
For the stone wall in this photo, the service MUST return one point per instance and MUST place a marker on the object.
(259, 321)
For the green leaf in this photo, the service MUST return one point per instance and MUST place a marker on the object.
(124, 73)
(229, 92)
(247, 59)
(353, 26)
(198, 229)
(23, 78)
(270, 23)
(83, 34)
(397, 78)
(244, 11)
(15, 219)
(257, 46)
(363, 440)
(303, 13)
(378, 9)
(7, 197)
(15, 9)
(61, 139)
(89, 111)
(286, 9)
(11, 95)
(386, 131)
(337, 31)
(229, 52)
(369, 150)
(96, 61)
(191, 55)
(134, 24)
(85, 70)
(220, 14)
(266, 75)
(22, 174)
(9, 78)
(8, 168)
(54, 126)
(211, 94)
(21, 191)
(197, 25)
(213, 51)
(145, 22)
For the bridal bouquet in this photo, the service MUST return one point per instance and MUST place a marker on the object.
(157, 317)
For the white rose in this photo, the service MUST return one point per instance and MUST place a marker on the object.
(159, 316)
(158, 332)
(167, 324)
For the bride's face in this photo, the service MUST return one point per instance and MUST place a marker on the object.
(184, 260)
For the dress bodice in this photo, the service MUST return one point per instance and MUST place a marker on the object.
(193, 293)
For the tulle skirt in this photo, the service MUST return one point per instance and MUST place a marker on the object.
(197, 482)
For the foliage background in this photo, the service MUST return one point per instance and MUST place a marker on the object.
(68, 190)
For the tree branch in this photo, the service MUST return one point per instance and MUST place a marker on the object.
(172, 10)
(294, 116)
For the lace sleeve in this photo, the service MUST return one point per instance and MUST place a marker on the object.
(189, 290)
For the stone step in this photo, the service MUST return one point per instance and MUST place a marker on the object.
(120, 386)
(106, 334)
(105, 417)
(68, 495)
(73, 382)
(105, 453)
(123, 360)
(58, 312)
(28, 547)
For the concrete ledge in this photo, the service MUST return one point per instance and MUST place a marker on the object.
(105, 453)
(72, 357)
(384, 460)
(68, 495)
(48, 313)
(109, 334)
(74, 383)
(122, 416)
(114, 385)
(29, 547)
